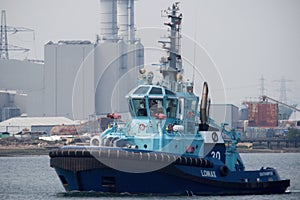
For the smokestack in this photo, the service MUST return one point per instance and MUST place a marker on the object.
(131, 23)
(108, 17)
(123, 19)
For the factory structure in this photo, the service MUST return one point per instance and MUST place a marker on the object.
(77, 78)
(267, 117)
(264, 117)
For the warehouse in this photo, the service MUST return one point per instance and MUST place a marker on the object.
(33, 124)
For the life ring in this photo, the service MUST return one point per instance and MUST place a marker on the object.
(142, 127)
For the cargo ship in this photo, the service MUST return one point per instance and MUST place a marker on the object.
(170, 147)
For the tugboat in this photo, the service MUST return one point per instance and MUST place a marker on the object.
(168, 148)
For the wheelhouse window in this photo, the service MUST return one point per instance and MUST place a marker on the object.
(155, 90)
(156, 106)
(139, 107)
(171, 108)
(131, 108)
(194, 105)
(141, 90)
(168, 92)
(191, 108)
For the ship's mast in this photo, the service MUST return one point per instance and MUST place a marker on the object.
(171, 67)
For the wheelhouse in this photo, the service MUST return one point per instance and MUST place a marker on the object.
(148, 101)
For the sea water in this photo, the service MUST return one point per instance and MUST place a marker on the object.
(31, 177)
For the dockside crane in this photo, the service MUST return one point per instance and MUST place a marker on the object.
(265, 98)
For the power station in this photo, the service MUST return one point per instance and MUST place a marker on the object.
(77, 78)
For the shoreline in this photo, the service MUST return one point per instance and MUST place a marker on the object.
(286, 150)
(15, 151)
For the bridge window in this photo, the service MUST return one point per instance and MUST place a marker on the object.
(130, 108)
(155, 90)
(139, 107)
(156, 106)
(171, 109)
(141, 90)
(190, 108)
(168, 92)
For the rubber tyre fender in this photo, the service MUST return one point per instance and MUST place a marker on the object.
(95, 141)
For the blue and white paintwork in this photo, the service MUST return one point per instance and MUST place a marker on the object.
(170, 147)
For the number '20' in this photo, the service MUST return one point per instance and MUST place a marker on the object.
(216, 154)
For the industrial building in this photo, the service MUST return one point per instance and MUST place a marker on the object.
(77, 78)
(262, 114)
(225, 113)
(69, 79)
(33, 124)
(9, 108)
(117, 53)
(21, 82)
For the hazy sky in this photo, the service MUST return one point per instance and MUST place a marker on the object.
(246, 39)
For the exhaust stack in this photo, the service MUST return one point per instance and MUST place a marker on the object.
(203, 126)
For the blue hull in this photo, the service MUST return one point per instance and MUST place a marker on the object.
(80, 170)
